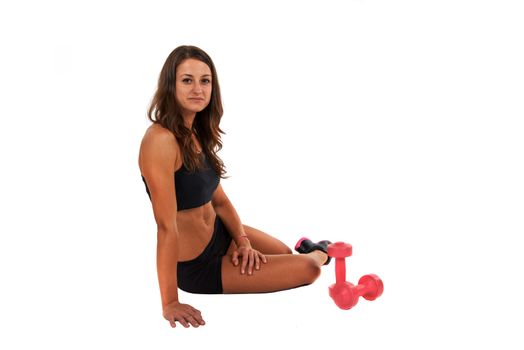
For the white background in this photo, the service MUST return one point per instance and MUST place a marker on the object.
(393, 125)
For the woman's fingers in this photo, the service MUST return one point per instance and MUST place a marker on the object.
(234, 258)
(192, 320)
(182, 321)
(249, 258)
(188, 319)
(198, 316)
(251, 261)
(187, 316)
(196, 311)
(245, 259)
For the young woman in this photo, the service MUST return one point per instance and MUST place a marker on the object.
(202, 246)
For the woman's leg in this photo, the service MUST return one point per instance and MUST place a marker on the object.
(281, 272)
(262, 242)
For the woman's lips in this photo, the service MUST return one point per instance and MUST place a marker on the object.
(196, 99)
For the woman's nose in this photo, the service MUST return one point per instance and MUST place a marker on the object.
(197, 87)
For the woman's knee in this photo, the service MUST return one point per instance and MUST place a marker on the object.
(286, 250)
(311, 270)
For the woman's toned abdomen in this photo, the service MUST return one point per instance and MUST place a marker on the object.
(195, 228)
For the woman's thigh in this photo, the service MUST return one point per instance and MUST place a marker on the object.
(281, 272)
(263, 242)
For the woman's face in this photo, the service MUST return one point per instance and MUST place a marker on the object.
(193, 85)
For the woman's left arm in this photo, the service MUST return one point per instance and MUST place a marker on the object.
(229, 216)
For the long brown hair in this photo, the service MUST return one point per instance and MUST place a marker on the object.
(164, 110)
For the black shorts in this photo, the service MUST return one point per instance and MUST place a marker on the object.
(203, 275)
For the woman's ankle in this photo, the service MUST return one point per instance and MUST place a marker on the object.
(319, 256)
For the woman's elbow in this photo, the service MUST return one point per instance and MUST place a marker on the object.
(166, 228)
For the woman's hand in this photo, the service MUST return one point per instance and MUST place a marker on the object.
(250, 258)
(183, 313)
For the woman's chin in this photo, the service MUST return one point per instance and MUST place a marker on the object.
(193, 110)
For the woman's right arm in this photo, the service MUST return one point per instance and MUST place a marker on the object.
(158, 155)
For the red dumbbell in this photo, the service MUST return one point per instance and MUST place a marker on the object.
(344, 293)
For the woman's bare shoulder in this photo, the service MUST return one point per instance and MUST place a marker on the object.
(156, 135)
(156, 130)
(158, 145)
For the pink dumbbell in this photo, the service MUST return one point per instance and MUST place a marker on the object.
(344, 293)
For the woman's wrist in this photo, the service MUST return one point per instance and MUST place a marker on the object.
(243, 240)
(169, 307)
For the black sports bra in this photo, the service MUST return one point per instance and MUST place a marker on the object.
(193, 189)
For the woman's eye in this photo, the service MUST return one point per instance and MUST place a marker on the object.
(188, 81)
